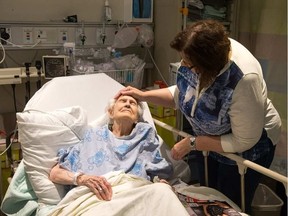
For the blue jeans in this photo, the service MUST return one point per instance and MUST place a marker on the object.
(226, 178)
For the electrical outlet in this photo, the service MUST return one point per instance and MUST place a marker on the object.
(62, 35)
(27, 33)
(41, 35)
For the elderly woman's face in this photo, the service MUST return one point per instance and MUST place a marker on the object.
(126, 107)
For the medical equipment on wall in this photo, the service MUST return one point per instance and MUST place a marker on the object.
(107, 17)
(107, 11)
(82, 34)
(55, 66)
(27, 84)
(38, 66)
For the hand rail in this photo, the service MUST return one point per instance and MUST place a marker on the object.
(270, 173)
(242, 164)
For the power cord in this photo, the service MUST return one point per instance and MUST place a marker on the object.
(4, 53)
(14, 45)
(9, 143)
(158, 70)
(21, 46)
(14, 97)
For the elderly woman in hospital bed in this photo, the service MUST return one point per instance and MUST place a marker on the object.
(125, 144)
(59, 118)
(122, 156)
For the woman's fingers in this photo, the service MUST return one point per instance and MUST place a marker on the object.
(134, 92)
(99, 186)
(106, 189)
(180, 149)
(122, 92)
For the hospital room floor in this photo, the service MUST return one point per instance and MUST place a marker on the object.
(5, 174)
(6, 171)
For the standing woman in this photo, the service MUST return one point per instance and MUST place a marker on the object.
(221, 91)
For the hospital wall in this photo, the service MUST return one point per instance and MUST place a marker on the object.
(54, 11)
(263, 30)
(18, 11)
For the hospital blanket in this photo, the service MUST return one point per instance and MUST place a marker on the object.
(131, 196)
(20, 198)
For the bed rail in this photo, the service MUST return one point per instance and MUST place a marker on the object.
(243, 164)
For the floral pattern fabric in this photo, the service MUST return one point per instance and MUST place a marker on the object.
(101, 152)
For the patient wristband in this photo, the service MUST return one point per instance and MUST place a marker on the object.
(76, 175)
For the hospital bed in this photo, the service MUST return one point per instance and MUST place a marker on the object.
(57, 115)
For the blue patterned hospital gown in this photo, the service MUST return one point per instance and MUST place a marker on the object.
(101, 152)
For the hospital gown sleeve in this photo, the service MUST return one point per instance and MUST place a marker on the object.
(68, 158)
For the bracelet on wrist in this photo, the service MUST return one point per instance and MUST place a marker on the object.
(193, 143)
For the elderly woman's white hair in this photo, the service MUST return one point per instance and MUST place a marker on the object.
(112, 102)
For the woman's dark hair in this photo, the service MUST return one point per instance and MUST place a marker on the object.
(206, 45)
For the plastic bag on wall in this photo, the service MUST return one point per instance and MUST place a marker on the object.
(125, 37)
(146, 35)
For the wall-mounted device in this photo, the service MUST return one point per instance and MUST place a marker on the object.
(10, 76)
(138, 11)
(55, 66)
(53, 35)
(5, 34)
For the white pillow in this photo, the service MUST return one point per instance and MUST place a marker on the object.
(41, 135)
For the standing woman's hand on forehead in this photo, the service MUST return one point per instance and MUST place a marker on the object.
(131, 91)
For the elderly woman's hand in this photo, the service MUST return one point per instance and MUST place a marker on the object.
(181, 148)
(97, 184)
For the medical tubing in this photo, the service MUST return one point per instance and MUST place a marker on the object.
(11, 141)
(157, 67)
(4, 53)
(20, 46)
